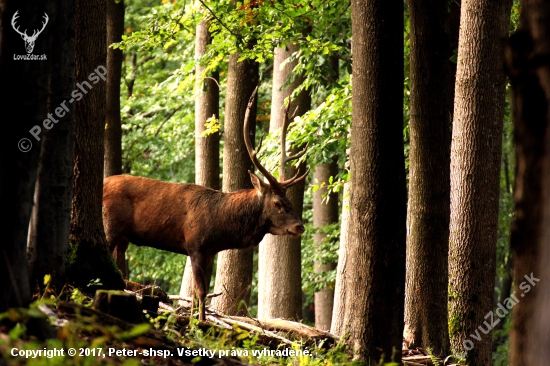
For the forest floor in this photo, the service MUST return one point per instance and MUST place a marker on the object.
(55, 332)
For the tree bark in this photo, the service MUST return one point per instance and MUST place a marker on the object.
(49, 231)
(340, 288)
(113, 128)
(19, 150)
(280, 281)
(234, 267)
(475, 168)
(434, 36)
(324, 213)
(529, 72)
(89, 257)
(375, 252)
(207, 148)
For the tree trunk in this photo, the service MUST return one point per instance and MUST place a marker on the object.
(324, 213)
(529, 71)
(113, 129)
(280, 281)
(89, 257)
(207, 148)
(19, 149)
(49, 231)
(340, 289)
(234, 267)
(475, 168)
(375, 252)
(433, 39)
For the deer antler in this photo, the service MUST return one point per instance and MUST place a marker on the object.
(282, 184)
(13, 19)
(37, 32)
(250, 146)
(285, 158)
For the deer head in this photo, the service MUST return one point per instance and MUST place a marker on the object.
(277, 207)
(29, 40)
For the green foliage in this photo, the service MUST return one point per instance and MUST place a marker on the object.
(324, 253)
(150, 265)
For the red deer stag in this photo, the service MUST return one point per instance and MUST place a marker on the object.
(199, 221)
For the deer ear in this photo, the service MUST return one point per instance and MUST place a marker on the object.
(258, 183)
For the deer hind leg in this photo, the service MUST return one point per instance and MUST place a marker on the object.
(199, 264)
(118, 249)
(120, 258)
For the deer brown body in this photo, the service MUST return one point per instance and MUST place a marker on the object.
(194, 220)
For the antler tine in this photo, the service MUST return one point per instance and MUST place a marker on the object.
(250, 146)
(284, 129)
(284, 157)
(294, 180)
(14, 26)
(44, 23)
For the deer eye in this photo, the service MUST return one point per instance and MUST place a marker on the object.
(278, 204)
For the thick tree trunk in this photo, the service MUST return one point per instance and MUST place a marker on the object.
(324, 213)
(433, 39)
(89, 257)
(375, 252)
(113, 129)
(475, 168)
(280, 281)
(19, 150)
(49, 232)
(529, 72)
(234, 267)
(207, 148)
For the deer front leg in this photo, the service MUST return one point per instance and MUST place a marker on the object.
(199, 265)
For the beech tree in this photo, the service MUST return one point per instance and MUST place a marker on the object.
(234, 267)
(375, 250)
(325, 212)
(434, 37)
(207, 148)
(19, 150)
(530, 238)
(475, 174)
(89, 257)
(49, 230)
(279, 282)
(113, 128)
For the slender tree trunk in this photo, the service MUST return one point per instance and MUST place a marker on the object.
(475, 175)
(507, 280)
(19, 150)
(280, 281)
(375, 252)
(340, 288)
(432, 78)
(234, 267)
(529, 71)
(49, 232)
(113, 129)
(89, 257)
(324, 213)
(207, 148)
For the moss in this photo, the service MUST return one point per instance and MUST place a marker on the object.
(455, 325)
(87, 261)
